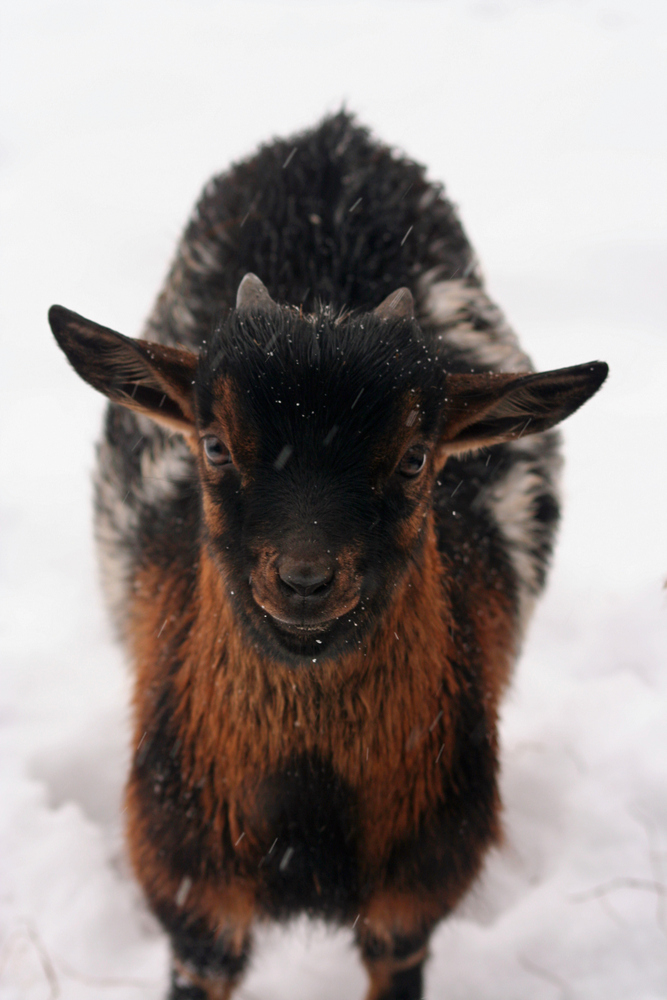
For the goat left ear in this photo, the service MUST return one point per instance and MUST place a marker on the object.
(149, 378)
(487, 409)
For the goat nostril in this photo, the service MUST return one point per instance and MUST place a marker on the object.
(307, 579)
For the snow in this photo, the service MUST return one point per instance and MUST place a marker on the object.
(543, 118)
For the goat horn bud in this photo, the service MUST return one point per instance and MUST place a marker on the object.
(252, 296)
(399, 305)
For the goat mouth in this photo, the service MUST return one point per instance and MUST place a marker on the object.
(292, 628)
(306, 617)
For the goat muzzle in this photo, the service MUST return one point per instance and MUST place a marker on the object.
(304, 591)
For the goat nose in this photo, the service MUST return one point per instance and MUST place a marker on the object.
(306, 577)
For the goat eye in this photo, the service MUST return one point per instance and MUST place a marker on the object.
(412, 462)
(215, 451)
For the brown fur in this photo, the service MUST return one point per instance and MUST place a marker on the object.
(213, 988)
(382, 971)
(374, 761)
(387, 730)
(232, 427)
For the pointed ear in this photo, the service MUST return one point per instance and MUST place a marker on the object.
(487, 409)
(148, 378)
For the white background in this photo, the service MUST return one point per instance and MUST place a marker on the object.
(546, 121)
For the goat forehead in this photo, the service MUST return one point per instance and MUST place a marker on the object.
(314, 423)
(320, 380)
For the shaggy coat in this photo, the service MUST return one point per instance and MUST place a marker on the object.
(324, 509)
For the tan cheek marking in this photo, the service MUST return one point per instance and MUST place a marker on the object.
(192, 441)
(407, 533)
(237, 432)
(348, 581)
(392, 446)
(265, 556)
(420, 490)
(214, 514)
(263, 578)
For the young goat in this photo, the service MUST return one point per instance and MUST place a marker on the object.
(322, 524)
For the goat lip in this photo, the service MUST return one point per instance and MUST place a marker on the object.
(300, 628)
(308, 613)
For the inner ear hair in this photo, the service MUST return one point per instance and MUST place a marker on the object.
(151, 379)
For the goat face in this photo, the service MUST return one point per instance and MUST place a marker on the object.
(318, 441)
(317, 457)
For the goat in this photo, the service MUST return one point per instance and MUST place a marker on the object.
(325, 503)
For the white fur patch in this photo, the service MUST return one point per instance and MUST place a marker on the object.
(116, 524)
(164, 468)
(511, 502)
(455, 308)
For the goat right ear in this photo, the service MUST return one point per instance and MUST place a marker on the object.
(149, 378)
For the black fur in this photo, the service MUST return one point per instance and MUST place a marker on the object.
(311, 864)
(327, 216)
(328, 390)
(406, 984)
(197, 948)
(332, 222)
(257, 217)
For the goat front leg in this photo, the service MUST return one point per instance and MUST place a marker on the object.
(395, 976)
(206, 965)
(392, 934)
(209, 928)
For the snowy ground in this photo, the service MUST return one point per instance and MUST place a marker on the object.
(544, 120)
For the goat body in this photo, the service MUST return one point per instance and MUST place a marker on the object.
(322, 525)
